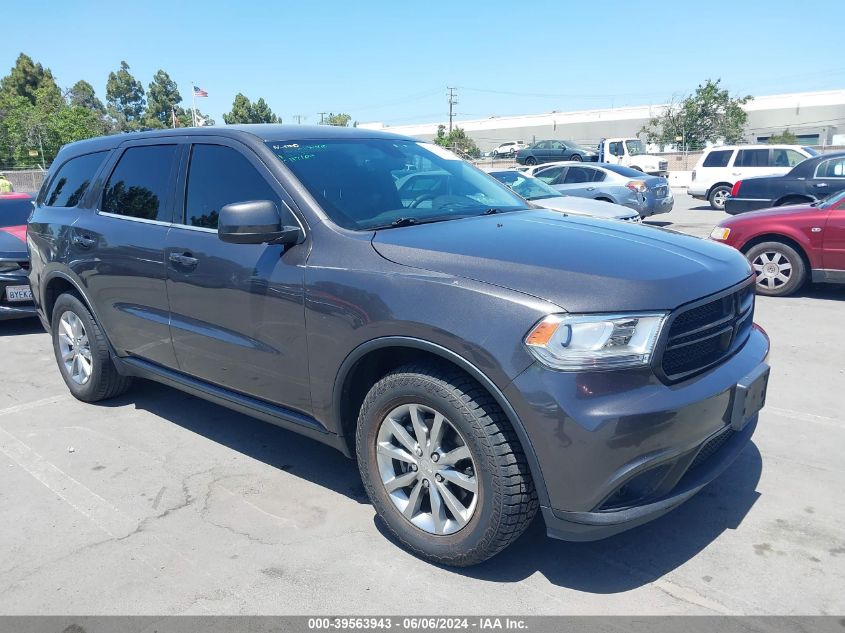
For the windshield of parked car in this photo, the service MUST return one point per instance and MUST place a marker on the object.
(15, 211)
(526, 186)
(635, 148)
(371, 183)
(831, 200)
(624, 171)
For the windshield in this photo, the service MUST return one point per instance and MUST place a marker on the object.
(832, 200)
(365, 184)
(15, 212)
(526, 186)
(635, 148)
(810, 151)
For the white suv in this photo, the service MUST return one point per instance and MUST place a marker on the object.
(720, 167)
(510, 148)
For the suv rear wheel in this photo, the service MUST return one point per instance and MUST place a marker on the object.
(82, 352)
(780, 268)
(717, 197)
(442, 466)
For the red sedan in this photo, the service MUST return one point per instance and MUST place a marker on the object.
(788, 246)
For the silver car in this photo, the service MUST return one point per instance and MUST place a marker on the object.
(541, 194)
(647, 195)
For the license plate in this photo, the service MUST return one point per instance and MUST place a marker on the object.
(749, 397)
(18, 293)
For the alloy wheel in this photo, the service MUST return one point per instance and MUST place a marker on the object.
(74, 348)
(773, 269)
(719, 198)
(427, 469)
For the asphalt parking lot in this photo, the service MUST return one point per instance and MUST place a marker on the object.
(160, 503)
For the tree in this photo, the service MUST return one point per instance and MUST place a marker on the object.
(338, 120)
(244, 111)
(784, 138)
(162, 99)
(82, 95)
(457, 140)
(26, 78)
(125, 98)
(185, 119)
(709, 115)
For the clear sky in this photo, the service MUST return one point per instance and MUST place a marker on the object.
(392, 61)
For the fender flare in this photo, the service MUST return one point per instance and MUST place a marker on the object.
(421, 344)
(79, 287)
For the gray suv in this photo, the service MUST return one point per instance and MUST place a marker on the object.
(480, 358)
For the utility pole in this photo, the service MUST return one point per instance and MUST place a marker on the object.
(453, 101)
(322, 117)
(299, 118)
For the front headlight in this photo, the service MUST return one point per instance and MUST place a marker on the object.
(588, 342)
(720, 233)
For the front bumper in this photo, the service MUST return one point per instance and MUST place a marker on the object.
(14, 309)
(741, 205)
(619, 448)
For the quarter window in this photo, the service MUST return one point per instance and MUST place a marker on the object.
(550, 176)
(71, 181)
(139, 186)
(786, 157)
(218, 176)
(718, 158)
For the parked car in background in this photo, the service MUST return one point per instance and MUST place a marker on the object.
(720, 167)
(647, 195)
(809, 181)
(507, 149)
(15, 294)
(551, 151)
(631, 152)
(482, 360)
(791, 245)
(536, 191)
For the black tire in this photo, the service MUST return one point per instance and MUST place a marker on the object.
(717, 197)
(506, 500)
(774, 253)
(104, 381)
(530, 161)
(576, 157)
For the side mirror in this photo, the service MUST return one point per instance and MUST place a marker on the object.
(255, 222)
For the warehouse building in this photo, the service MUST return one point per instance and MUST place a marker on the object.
(816, 118)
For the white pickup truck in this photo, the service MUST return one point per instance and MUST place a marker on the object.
(631, 152)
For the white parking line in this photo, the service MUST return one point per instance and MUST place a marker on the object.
(33, 404)
(805, 417)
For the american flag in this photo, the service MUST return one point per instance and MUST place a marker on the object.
(199, 92)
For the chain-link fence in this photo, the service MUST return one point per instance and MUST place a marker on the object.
(26, 180)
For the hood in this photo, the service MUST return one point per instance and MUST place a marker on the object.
(580, 264)
(586, 206)
(13, 243)
(773, 214)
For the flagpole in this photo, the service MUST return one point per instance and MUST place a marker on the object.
(194, 104)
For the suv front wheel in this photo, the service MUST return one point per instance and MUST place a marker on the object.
(717, 197)
(442, 466)
(82, 352)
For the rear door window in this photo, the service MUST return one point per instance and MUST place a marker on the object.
(834, 168)
(72, 180)
(551, 175)
(141, 183)
(577, 175)
(719, 158)
(752, 158)
(219, 175)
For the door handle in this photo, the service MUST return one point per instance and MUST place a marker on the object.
(591, 188)
(821, 184)
(85, 241)
(185, 260)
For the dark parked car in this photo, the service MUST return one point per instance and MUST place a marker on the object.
(791, 245)
(15, 295)
(480, 359)
(809, 181)
(550, 151)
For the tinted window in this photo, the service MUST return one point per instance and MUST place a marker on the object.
(718, 159)
(139, 185)
(831, 168)
(550, 175)
(15, 211)
(219, 176)
(577, 175)
(71, 181)
(752, 158)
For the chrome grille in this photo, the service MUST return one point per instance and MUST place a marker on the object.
(706, 333)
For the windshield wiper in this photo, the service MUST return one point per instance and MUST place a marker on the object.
(404, 222)
(490, 211)
(410, 221)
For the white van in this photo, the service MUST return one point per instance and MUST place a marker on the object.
(720, 167)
